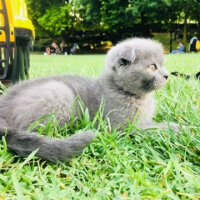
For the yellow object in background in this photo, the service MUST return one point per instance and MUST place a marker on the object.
(16, 35)
(19, 23)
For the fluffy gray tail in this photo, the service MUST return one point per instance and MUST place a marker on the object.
(50, 149)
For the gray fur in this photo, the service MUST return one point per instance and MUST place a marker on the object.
(126, 85)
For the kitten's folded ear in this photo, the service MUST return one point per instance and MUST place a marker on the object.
(119, 56)
(126, 56)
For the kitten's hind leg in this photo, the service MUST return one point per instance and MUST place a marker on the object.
(171, 125)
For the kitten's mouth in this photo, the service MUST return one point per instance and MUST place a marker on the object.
(124, 92)
(148, 85)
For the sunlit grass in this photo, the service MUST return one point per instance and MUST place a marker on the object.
(85, 65)
(117, 164)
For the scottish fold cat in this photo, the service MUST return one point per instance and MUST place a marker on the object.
(134, 68)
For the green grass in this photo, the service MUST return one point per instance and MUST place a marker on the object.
(85, 65)
(117, 165)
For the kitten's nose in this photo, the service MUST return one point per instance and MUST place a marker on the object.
(164, 72)
(166, 77)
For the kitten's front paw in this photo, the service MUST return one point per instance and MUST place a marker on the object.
(171, 125)
(174, 126)
(164, 125)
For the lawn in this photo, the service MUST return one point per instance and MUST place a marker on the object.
(117, 165)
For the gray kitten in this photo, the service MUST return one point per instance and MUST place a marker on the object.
(134, 68)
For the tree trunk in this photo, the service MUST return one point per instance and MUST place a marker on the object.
(171, 30)
(185, 29)
(145, 27)
(170, 42)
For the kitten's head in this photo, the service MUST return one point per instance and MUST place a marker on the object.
(136, 66)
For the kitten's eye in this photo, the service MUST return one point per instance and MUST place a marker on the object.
(153, 67)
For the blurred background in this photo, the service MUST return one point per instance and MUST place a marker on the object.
(58, 27)
(97, 24)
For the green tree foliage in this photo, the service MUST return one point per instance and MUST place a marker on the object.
(89, 14)
(195, 13)
(148, 12)
(57, 19)
(114, 19)
(38, 8)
